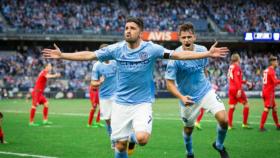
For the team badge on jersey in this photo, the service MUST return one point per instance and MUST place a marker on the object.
(143, 55)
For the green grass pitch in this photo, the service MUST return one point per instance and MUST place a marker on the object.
(69, 136)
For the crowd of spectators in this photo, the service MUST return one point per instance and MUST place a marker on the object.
(52, 16)
(166, 15)
(108, 16)
(241, 16)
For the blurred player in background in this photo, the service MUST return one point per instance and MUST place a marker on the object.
(38, 95)
(270, 81)
(236, 93)
(104, 77)
(94, 99)
(2, 140)
(197, 124)
(131, 118)
(187, 81)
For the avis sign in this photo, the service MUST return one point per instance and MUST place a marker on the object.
(160, 36)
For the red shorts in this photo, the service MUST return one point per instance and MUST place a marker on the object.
(233, 100)
(269, 100)
(94, 97)
(38, 98)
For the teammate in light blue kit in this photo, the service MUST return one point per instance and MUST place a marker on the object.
(104, 77)
(186, 80)
(132, 110)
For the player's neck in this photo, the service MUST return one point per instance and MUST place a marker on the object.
(133, 45)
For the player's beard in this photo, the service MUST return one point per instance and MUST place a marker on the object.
(131, 40)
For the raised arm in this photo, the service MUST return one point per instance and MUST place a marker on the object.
(214, 52)
(77, 56)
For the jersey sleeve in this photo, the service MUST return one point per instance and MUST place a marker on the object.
(106, 53)
(171, 70)
(161, 52)
(95, 73)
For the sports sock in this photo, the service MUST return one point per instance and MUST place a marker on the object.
(91, 115)
(45, 113)
(1, 135)
(200, 115)
(263, 119)
(188, 143)
(32, 114)
(98, 116)
(221, 135)
(230, 116)
(245, 115)
(109, 129)
(119, 154)
(275, 118)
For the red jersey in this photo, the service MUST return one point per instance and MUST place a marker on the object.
(235, 77)
(270, 80)
(40, 84)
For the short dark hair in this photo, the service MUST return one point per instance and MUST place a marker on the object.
(103, 45)
(272, 58)
(1, 115)
(186, 27)
(137, 21)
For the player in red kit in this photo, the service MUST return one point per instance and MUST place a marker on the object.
(236, 93)
(270, 81)
(94, 99)
(2, 140)
(38, 95)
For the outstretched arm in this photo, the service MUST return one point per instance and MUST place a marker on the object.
(53, 75)
(214, 52)
(77, 56)
(171, 87)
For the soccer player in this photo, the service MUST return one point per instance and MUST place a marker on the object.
(236, 93)
(186, 80)
(94, 99)
(104, 77)
(38, 95)
(132, 110)
(270, 81)
(2, 140)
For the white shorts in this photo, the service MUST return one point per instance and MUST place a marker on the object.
(126, 119)
(210, 102)
(106, 108)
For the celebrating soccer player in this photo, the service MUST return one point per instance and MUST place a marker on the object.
(236, 93)
(131, 117)
(270, 81)
(38, 95)
(186, 80)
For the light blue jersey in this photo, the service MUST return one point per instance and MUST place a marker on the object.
(189, 75)
(108, 87)
(135, 70)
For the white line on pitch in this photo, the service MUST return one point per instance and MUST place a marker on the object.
(25, 155)
(157, 117)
